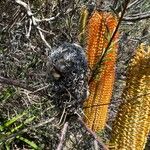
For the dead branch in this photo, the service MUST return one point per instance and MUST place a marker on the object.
(62, 138)
(16, 83)
(34, 21)
(21, 84)
(98, 139)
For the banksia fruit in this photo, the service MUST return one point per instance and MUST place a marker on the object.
(132, 122)
(100, 27)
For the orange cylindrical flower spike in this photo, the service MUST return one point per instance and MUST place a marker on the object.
(100, 28)
(95, 39)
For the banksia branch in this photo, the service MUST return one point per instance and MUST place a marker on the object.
(132, 123)
(100, 28)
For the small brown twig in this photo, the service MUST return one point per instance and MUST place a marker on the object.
(98, 139)
(62, 138)
(137, 17)
(16, 83)
(21, 84)
(136, 2)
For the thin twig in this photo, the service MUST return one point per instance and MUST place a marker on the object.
(96, 147)
(43, 38)
(108, 127)
(29, 30)
(62, 138)
(48, 19)
(114, 5)
(137, 17)
(134, 3)
(45, 31)
(16, 83)
(34, 21)
(42, 123)
(21, 84)
(98, 64)
(98, 139)
(41, 89)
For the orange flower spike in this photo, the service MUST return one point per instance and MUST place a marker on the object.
(111, 23)
(102, 86)
(104, 91)
(96, 29)
(94, 37)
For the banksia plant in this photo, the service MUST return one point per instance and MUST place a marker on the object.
(99, 30)
(95, 38)
(132, 123)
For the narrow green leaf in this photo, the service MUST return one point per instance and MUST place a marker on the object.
(22, 124)
(27, 141)
(11, 121)
(7, 146)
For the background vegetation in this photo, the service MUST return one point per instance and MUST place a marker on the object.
(28, 119)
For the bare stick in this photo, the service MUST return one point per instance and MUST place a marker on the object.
(62, 138)
(48, 19)
(134, 3)
(16, 83)
(21, 84)
(137, 17)
(99, 141)
(29, 31)
(43, 38)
